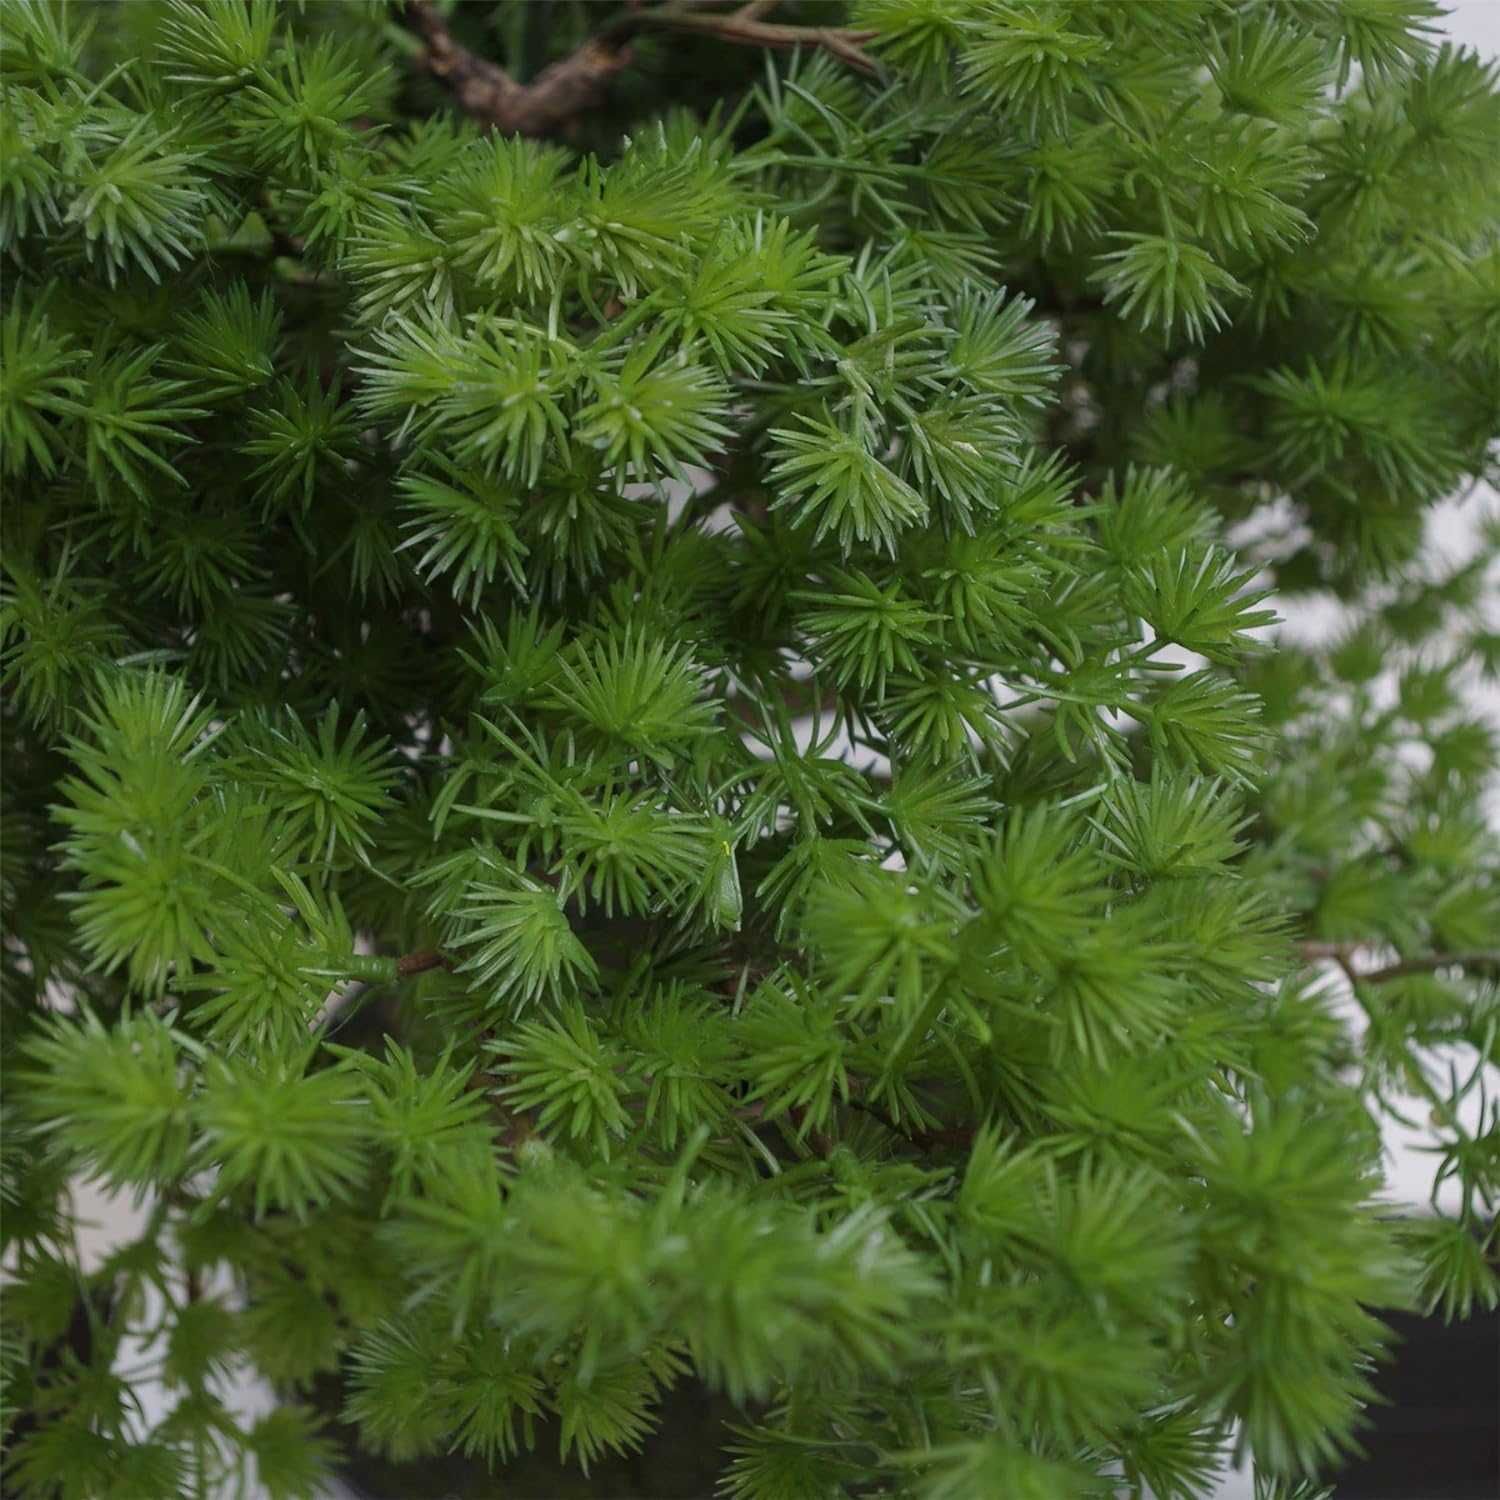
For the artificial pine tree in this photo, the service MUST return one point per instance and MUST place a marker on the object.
(647, 794)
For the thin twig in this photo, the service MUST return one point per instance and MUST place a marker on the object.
(1343, 955)
(284, 244)
(1431, 961)
(822, 1142)
(558, 93)
(944, 1136)
(577, 83)
(419, 963)
(951, 1136)
(743, 28)
(1311, 952)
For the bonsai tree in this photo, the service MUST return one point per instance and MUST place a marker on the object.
(651, 803)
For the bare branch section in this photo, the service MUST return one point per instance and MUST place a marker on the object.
(419, 963)
(577, 83)
(744, 28)
(558, 94)
(1343, 955)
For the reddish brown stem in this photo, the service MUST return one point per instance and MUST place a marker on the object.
(951, 1138)
(560, 92)
(576, 84)
(744, 28)
(419, 963)
(1343, 955)
(1428, 963)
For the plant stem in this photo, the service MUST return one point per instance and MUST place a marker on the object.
(576, 84)
(420, 962)
(1343, 955)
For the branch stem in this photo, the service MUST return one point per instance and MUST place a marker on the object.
(576, 84)
(1427, 963)
(420, 962)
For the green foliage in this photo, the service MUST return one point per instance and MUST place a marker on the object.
(111, 1098)
(653, 775)
(36, 388)
(527, 946)
(565, 1073)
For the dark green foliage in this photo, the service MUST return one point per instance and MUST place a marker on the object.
(656, 762)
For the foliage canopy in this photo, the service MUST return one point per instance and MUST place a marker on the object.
(644, 751)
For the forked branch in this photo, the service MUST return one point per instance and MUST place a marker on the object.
(558, 94)
(577, 83)
(1343, 955)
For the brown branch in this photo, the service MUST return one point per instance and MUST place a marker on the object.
(577, 83)
(419, 963)
(744, 28)
(821, 1141)
(951, 1138)
(1427, 964)
(289, 246)
(1311, 952)
(1343, 955)
(558, 93)
(516, 1126)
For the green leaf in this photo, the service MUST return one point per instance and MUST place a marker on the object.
(501, 212)
(129, 416)
(141, 205)
(464, 519)
(328, 788)
(524, 946)
(1270, 70)
(1201, 604)
(112, 1096)
(286, 1138)
(828, 476)
(650, 415)
(291, 1455)
(308, 435)
(36, 389)
(300, 115)
(567, 1073)
(1167, 285)
(642, 697)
